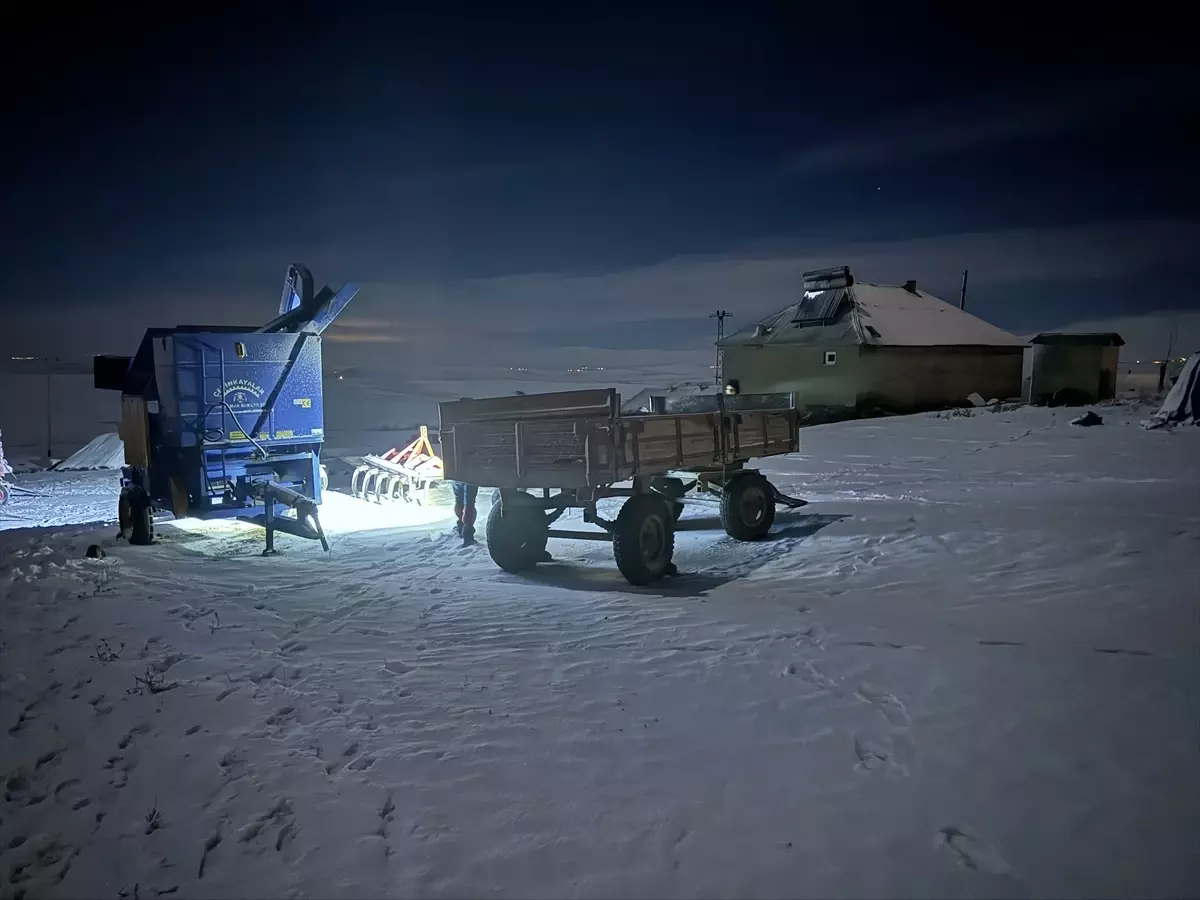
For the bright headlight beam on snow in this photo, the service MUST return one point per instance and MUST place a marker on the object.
(342, 514)
(339, 514)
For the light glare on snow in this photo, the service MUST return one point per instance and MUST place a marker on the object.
(342, 514)
(339, 514)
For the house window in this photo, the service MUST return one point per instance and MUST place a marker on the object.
(831, 357)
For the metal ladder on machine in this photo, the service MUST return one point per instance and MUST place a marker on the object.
(212, 384)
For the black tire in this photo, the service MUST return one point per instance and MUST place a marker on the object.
(136, 515)
(516, 538)
(644, 539)
(748, 507)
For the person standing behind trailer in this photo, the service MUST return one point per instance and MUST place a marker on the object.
(465, 496)
(465, 514)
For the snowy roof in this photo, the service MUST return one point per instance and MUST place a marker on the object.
(878, 315)
(1082, 338)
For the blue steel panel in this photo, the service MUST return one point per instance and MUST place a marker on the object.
(220, 397)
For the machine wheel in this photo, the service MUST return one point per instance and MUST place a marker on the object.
(644, 539)
(747, 507)
(135, 515)
(516, 539)
(324, 479)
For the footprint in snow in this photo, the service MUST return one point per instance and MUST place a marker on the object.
(362, 763)
(876, 752)
(971, 851)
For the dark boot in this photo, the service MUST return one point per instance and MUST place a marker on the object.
(468, 526)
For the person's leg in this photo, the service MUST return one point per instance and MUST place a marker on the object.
(470, 495)
(460, 495)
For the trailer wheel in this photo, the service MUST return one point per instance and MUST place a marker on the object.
(516, 536)
(135, 515)
(644, 539)
(747, 507)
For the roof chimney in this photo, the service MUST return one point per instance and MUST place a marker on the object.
(911, 286)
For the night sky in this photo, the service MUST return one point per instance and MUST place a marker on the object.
(557, 178)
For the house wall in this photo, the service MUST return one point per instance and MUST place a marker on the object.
(802, 369)
(896, 379)
(914, 378)
(1110, 365)
(1089, 371)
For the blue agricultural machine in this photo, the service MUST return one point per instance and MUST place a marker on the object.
(224, 421)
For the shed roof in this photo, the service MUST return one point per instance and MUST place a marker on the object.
(1080, 339)
(874, 314)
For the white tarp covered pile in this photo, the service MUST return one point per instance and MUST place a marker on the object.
(5, 469)
(106, 451)
(1182, 406)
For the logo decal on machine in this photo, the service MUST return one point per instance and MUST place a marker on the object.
(241, 393)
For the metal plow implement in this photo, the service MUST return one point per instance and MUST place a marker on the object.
(413, 475)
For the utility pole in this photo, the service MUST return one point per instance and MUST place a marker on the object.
(49, 411)
(962, 294)
(720, 315)
(1162, 368)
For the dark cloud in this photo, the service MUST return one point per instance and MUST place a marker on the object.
(961, 124)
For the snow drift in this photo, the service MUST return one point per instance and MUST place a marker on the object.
(105, 451)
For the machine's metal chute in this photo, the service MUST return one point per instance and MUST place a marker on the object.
(297, 289)
(305, 312)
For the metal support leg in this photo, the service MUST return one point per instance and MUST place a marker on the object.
(307, 524)
(270, 525)
(784, 500)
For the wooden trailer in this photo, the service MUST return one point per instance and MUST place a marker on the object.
(547, 453)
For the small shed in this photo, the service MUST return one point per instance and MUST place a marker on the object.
(1071, 368)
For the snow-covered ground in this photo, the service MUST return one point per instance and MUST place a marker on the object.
(968, 668)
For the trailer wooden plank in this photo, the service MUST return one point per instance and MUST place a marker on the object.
(600, 403)
(573, 440)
